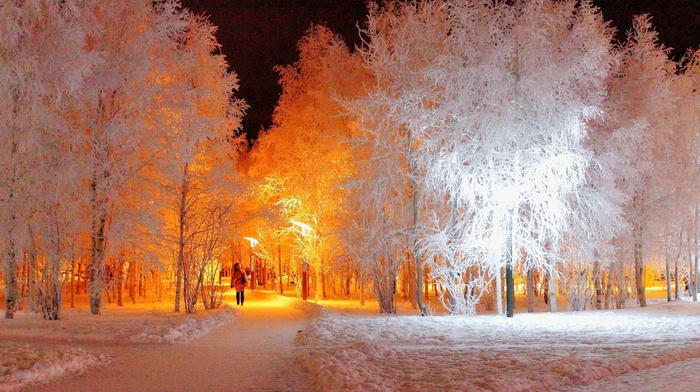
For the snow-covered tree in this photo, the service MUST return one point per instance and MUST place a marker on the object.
(640, 114)
(492, 101)
(378, 217)
(679, 213)
(302, 159)
(100, 110)
(195, 166)
(43, 64)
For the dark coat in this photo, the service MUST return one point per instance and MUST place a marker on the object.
(238, 280)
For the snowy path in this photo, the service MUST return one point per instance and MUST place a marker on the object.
(348, 347)
(251, 353)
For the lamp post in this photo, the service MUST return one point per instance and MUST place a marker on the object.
(305, 229)
(252, 242)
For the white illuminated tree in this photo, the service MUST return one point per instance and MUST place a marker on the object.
(119, 137)
(380, 217)
(590, 237)
(492, 100)
(43, 64)
(195, 168)
(641, 116)
(686, 174)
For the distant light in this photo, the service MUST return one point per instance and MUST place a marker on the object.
(305, 229)
(252, 240)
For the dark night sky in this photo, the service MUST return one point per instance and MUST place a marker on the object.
(257, 35)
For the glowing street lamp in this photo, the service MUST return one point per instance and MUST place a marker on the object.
(252, 242)
(305, 230)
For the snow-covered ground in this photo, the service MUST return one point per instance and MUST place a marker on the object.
(33, 350)
(347, 347)
(566, 351)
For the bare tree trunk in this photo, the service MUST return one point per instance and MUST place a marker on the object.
(361, 278)
(668, 280)
(530, 290)
(409, 276)
(384, 276)
(49, 297)
(639, 266)
(696, 281)
(279, 263)
(72, 284)
(608, 288)
(499, 292)
(318, 284)
(323, 280)
(691, 273)
(426, 285)
(132, 281)
(120, 280)
(11, 256)
(675, 275)
(78, 276)
(96, 262)
(186, 290)
(32, 266)
(181, 240)
(598, 282)
(348, 282)
(11, 292)
(414, 230)
(289, 271)
(675, 262)
(552, 286)
(141, 280)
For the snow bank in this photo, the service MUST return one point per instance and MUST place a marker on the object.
(309, 309)
(23, 364)
(190, 328)
(530, 352)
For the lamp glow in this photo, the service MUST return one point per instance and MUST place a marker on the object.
(253, 242)
(305, 229)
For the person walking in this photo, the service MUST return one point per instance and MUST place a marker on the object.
(239, 281)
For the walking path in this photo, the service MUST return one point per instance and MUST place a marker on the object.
(252, 353)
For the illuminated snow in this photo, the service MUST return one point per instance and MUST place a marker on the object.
(531, 352)
(348, 347)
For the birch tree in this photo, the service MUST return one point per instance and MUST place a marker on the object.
(493, 100)
(197, 165)
(393, 35)
(679, 213)
(118, 137)
(642, 98)
(303, 158)
(43, 65)
(378, 218)
(55, 236)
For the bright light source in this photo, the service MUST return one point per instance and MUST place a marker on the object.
(252, 240)
(305, 229)
(506, 196)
